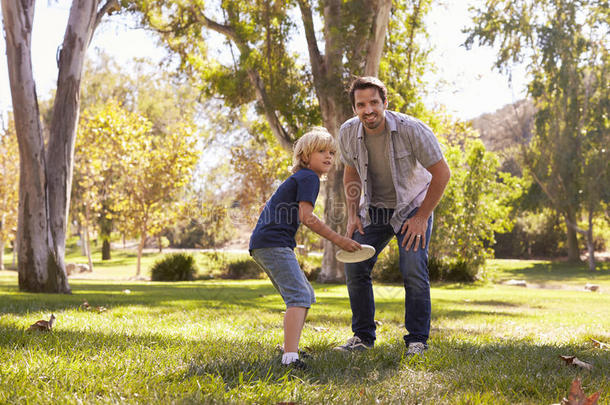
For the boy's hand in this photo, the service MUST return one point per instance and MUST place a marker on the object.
(348, 244)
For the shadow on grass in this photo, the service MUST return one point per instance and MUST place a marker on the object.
(554, 271)
(150, 295)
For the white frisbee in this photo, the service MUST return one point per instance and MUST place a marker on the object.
(366, 252)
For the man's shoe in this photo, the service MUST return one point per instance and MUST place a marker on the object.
(354, 344)
(415, 348)
(296, 365)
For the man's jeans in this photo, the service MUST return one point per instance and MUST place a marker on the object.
(414, 269)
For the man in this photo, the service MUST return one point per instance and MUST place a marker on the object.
(395, 176)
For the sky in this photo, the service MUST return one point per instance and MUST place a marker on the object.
(464, 82)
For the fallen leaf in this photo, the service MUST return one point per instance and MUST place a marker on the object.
(85, 305)
(576, 396)
(42, 325)
(101, 309)
(575, 361)
(599, 344)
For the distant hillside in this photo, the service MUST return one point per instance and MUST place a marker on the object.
(509, 126)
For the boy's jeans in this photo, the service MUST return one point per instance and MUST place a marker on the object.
(414, 269)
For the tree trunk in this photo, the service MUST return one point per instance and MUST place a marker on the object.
(573, 253)
(1, 242)
(590, 242)
(45, 175)
(329, 83)
(87, 243)
(140, 250)
(105, 225)
(83, 243)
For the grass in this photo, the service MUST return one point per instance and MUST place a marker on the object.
(215, 341)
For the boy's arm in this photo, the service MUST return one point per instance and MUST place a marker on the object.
(310, 220)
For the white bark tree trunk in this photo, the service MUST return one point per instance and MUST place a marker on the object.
(46, 175)
(327, 72)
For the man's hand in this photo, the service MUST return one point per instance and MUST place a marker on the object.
(414, 230)
(353, 224)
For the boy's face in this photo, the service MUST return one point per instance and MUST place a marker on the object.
(321, 161)
(369, 107)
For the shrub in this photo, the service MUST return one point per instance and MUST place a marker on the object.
(174, 267)
(311, 266)
(243, 269)
(387, 268)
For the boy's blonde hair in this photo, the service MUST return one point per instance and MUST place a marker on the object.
(317, 138)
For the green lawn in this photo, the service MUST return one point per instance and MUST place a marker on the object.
(215, 342)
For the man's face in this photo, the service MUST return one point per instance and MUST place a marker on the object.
(370, 109)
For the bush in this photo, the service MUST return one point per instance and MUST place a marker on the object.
(387, 268)
(174, 267)
(311, 266)
(243, 269)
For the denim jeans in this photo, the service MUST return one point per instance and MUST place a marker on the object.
(414, 270)
(282, 267)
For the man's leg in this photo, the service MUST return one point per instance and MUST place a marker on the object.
(414, 269)
(358, 276)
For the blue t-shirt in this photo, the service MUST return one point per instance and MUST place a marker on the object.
(279, 221)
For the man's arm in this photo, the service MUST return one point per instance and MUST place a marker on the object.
(353, 188)
(310, 220)
(418, 224)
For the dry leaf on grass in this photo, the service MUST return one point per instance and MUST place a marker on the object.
(599, 344)
(101, 309)
(85, 305)
(577, 395)
(42, 325)
(575, 361)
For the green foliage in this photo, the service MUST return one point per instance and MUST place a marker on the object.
(387, 268)
(535, 234)
(564, 45)
(476, 203)
(9, 181)
(243, 269)
(174, 267)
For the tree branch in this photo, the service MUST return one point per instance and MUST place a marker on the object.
(108, 8)
(315, 57)
(225, 30)
(376, 42)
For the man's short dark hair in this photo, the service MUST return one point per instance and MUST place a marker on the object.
(365, 82)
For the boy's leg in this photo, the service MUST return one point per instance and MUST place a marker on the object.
(294, 319)
(414, 269)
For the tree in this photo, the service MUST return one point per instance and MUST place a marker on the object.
(565, 44)
(139, 86)
(153, 169)
(258, 36)
(46, 169)
(9, 179)
(476, 203)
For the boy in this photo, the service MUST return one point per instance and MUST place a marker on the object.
(273, 240)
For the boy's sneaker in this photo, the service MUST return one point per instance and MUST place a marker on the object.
(354, 344)
(296, 365)
(415, 348)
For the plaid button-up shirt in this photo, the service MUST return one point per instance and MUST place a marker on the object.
(413, 147)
